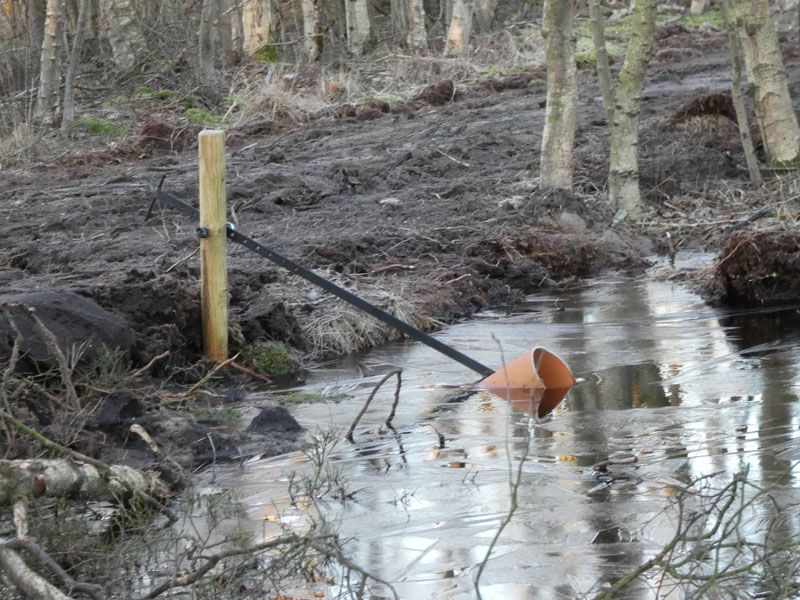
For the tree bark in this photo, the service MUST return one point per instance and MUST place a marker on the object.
(209, 84)
(400, 18)
(124, 35)
(623, 180)
(25, 579)
(561, 116)
(312, 44)
(70, 479)
(49, 69)
(767, 77)
(36, 12)
(736, 93)
(598, 24)
(68, 114)
(257, 24)
(358, 26)
(417, 35)
(460, 29)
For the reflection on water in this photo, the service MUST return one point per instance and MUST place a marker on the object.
(670, 390)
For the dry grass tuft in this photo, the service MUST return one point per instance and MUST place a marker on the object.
(336, 328)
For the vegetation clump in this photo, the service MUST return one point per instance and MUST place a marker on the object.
(97, 126)
(272, 358)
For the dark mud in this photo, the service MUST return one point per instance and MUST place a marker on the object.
(435, 203)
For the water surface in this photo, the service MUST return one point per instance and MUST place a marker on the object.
(682, 389)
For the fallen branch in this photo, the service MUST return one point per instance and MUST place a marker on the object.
(385, 378)
(139, 372)
(116, 478)
(209, 376)
(250, 372)
(25, 579)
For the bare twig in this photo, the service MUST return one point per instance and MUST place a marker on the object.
(217, 368)
(139, 372)
(250, 372)
(383, 380)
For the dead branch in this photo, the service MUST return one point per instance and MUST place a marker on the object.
(250, 372)
(26, 580)
(383, 380)
(113, 479)
(218, 367)
(139, 372)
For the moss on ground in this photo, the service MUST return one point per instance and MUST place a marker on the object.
(272, 358)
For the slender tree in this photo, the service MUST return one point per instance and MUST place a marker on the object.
(49, 70)
(598, 24)
(122, 27)
(311, 41)
(417, 36)
(736, 93)
(767, 77)
(358, 26)
(561, 116)
(460, 29)
(623, 180)
(484, 15)
(207, 74)
(68, 114)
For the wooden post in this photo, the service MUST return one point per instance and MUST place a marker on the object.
(213, 260)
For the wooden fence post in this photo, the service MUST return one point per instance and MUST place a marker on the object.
(213, 259)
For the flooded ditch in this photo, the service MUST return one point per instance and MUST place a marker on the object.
(669, 390)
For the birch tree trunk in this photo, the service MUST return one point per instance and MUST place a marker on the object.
(124, 35)
(460, 29)
(68, 113)
(67, 478)
(698, 7)
(561, 116)
(227, 14)
(206, 56)
(49, 67)
(26, 579)
(623, 180)
(767, 77)
(358, 27)
(257, 25)
(736, 93)
(311, 43)
(417, 36)
(400, 18)
(598, 24)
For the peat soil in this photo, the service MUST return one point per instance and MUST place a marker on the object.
(431, 209)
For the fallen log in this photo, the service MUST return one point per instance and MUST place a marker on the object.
(66, 478)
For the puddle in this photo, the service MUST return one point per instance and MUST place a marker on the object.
(670, 390)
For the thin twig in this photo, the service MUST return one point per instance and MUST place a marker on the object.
(210, 375)
(139, 372)
(250, 372)
(383, 380)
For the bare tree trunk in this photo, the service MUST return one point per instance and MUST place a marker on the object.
(312, 45)
(484, 15)
(561, 117)
(736, 94)
(121, 24)
(767, 77)
(460, 29)
(623, 180)
(27, 580)
(36, 11)
(68, 114)
(598, 23)
(206, 59)
(358, 26)
(49, 69)
(227, 13)
(698, 7)
(417, 36)
(400, 19)
(257, 24)
(237, 28)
